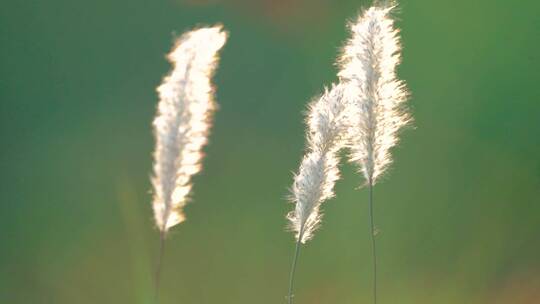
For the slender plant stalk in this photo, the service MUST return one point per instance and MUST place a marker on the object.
(373, 247)
(293, 267)
(158, 264)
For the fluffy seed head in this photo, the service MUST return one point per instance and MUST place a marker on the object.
(368, 73)
(182, 121)
(318, 171)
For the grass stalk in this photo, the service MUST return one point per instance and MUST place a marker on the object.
(158, 265)
(293, 267)
(373, 247)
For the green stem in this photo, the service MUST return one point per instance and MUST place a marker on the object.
(158, 264)
(374, 251)
(293, 267)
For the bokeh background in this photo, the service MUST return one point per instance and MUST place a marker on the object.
(458, 213)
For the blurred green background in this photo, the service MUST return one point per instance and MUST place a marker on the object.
(459, 212)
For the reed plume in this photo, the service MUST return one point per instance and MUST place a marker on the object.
(368, 74)
(182, 123)
(318, 171)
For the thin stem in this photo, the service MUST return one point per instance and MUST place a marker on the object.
(293, 267)
(158, 264)
(374, 251)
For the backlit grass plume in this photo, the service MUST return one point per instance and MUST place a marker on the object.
(182, 123)
(368, 73)
(318, 171)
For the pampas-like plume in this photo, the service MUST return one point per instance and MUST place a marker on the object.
(318, 171)
(182, 124)
(368, 73)
(183, 120)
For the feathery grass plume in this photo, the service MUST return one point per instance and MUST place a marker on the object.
(318, 171)
(183, 120)
(368, 73)
(182, 123)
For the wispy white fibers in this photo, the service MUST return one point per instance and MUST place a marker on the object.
(314, 182)
(183, 120)
(318, 171)
(368, 73)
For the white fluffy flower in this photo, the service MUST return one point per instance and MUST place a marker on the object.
(182, 121)
(368, 74)
(318, 171)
